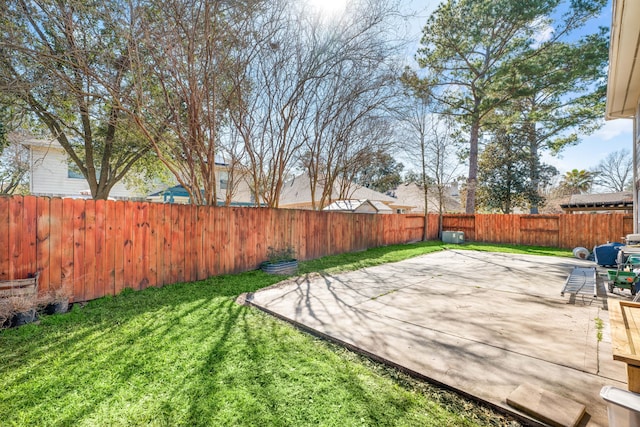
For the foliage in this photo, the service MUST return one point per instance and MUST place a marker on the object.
(503, 176)
(615, 172)
(319, 93)
(565, 99)
(577, 181)
(474, 51)
(66, 63)
(505, 173)
(187, 354)
(382, 172)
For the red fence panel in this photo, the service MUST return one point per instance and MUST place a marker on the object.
(97, 248)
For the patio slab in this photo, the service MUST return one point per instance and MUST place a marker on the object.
(481, 323)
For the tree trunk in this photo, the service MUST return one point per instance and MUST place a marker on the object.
(534, 165)
(473, 167)
(425, 188)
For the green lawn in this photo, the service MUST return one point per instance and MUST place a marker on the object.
(187, 354)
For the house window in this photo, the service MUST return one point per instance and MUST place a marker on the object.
(224, 180)
(73, 171)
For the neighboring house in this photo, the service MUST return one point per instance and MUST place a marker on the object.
(296, 194)
(412, 194)
(601, 203)
(178, 195)
(52, 173)
(359, 206)
(623, 84)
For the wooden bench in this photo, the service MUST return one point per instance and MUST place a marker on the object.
(624, 317)
(20, 287)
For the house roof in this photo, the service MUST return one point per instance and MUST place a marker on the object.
(179, 191)
(353, 205)
(33, 141)
(623, 84)
(411, 194)
(605, 201)
(380, 207)
(297, 191)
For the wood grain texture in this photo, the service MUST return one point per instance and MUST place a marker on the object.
(97, 248)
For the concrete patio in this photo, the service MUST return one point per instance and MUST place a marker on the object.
(480, 323)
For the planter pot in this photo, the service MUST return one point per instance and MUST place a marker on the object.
(23, 318)
(57, 307)
(282, 267)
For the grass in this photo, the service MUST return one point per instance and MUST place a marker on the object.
(394, 253)
(599, 328)
(187, 354)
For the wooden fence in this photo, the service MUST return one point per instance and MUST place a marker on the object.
(560, 231)
(96, 248)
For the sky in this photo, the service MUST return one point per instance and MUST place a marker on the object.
(613, 136)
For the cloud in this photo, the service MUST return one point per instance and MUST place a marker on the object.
(613, 129)
(543, 32)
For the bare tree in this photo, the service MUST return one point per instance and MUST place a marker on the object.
(271, 96)
(350, 125)
(311, 86)
(615, 172)
(430, 139)
(184, 66)
(416, 118)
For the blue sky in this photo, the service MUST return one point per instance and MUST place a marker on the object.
(613, 136)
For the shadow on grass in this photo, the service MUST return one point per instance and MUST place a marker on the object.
(187, 354)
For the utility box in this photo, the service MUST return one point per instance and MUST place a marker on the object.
(623, 406)
(453, 237)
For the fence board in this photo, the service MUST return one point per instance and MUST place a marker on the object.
(144, 239)
(16, 208)
(96, 248)
(217, 242)
(152, 268)
(109, 274)
(177, 234)
(42, 243)
(165, 270)
(90, 250)
(55, 242)
(4, 237)
(67, 265)
(79, 248)
(119, 242)
(129, 267)
(100, 258)
(199, 233)
(29, 230)
(189, 243)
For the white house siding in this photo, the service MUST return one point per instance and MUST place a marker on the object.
(49, 175)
